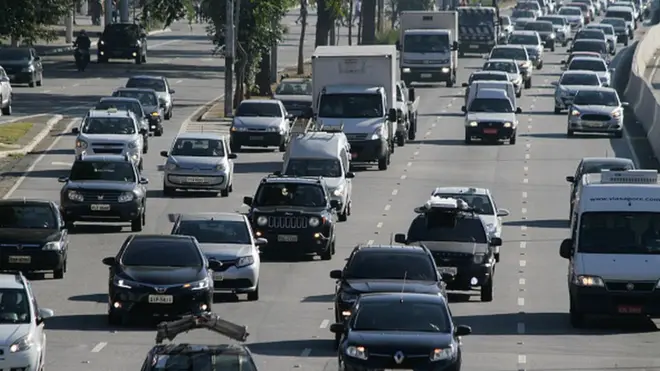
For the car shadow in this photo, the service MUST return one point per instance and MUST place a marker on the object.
(316, 348)
(547, 223)
(90, 298)
(94, 322)
(324, 298)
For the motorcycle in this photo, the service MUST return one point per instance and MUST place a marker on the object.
(82, 58)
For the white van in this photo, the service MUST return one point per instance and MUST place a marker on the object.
(324, 152)
(474, 88)
(614, 248)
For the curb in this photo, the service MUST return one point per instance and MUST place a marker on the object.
(37, 139)
(66, 49)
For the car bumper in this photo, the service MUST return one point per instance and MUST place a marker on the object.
(472, 46)
(134, 154)
(236, 280)
(468, 276)
(32, 260)
(115, 212)
(611, 126)
(258, 139)
(484, 134)
(196, 180)
(421, 74)
(136, 302)
(305, 241)
(386, 362)
(119, 53)
(368, 150)
(22, 361)
(22, 77)
(598, 300)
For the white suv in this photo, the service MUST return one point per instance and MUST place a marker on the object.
(6, 93)
(22, 336)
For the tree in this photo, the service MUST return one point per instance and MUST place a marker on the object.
(395, 7)
(29, 21)
(327, 12)
(368, 13)
(301, 42)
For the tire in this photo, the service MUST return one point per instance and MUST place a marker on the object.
(114, 319)
(58, 274)
(486, 292)
(32, 83)
(557, 110)
(383, 162)
(401, 140)
(7, 110)
(137, 223)
(40, 82)
(282, 147)
(540, 66)
(528, 83)
(253, 295)
(138, 60)
(552, 48)
(336, 341)
(468, 139)
(450, 83)
(144, 58)
(618, 134)
(570, 133)
(343, 216)
(497, 257)
(327, 253)
(159, 132)
(519, 94)
(168, 116)
(235, 147)
(577, 319)
(145, 148)
(512, 140)
(224, 192)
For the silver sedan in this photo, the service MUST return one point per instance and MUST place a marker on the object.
(596, 110)
(199, 161)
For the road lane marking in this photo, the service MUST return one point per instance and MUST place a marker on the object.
(526, 156)
(370, 242)
(523, 244)
(324, 323)
(403, 177)
(416, 153)
(522, 359)
(523, 263)
(387, 207)
(523, 227)
(409, 164)
(525, 180)
(521, 302)
(379, 225)
(306, 352)
(395, 192)
(99, 347)
(521, 282)
(524, 195)
(46, 91)
(178, 81)
(524, 211)
(66, 164)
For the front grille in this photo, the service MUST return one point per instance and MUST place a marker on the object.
(594, 117)
(108, 148)
(287, 222)
(241, 283)
(226, 264)
(450, 258)
(489, 124)
(20, 246)
(108, 151)
(101, 196)
(635, 286)
(356, 136)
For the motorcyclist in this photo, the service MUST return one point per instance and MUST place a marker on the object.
(83, 41)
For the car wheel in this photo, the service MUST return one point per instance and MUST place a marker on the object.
(7, 110)
(528, 83)
(570, 133)
(114, 318)
(224, 192)
(169, 191)
(327, 253)
(383, 163)
(137, 223)
(512, 140)
(557, 110)
(486, 293)
(577, 319)
(468, 138)
(40, 82)
(343, 216)
(253, 295)
(58, 274)
(32, 82)
(618, 134)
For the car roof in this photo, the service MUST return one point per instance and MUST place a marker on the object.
(260, 101)
(136, 89)
(540, 21)
(597, 88)
(501, 60)
(200, 135)
(612, 160)
(570, 6)
(598, 25)
(147, 77)
(458, 190)
(395, 249)
(11, 281)
(593, 29)
(160, 237)
(509, 46)
(492, 94)
(381, 297)
(109, 113)
(105, 99)
(579, 72)
(590, 41)
(224, 216)
(525, 32)
(489, 73)
(292, 179)
(619, 8)
(587, 58)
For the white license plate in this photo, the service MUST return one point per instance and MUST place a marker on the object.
(287, 238)
(594, 124)
(195, 180)
(256, 137)
(448, 270)
(161, 299)
(474, 46)
(20, 259)
(426, 75)
(99, 207)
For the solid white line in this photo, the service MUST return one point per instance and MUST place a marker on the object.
(38, 160)
(99, 347)
(178, 81)
(324, 323)
(306, 352)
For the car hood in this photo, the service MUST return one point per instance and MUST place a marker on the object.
(28, 236)
(257, 122)
(574, 88)
(162, 275)
(11, 332)
(225, 251)
(195, 162)
(92, 185)
(293, 98)
(354, 125)
(491, 116)
(370, 286)
(400, 338)
(108, 138)
(616, 267)
(605, 110)
(453, 246)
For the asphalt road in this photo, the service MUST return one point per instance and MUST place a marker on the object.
(525, 327)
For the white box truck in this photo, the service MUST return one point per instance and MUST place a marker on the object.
(428, 45)
(354, 87)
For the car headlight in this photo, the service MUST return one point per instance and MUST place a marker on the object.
(245, 261)
(314, 222)
(575, 113)
(124, 284)
(273, 129)
(262, 220)
(440, 354)
(616, 113)
(526, 64)
(81, 144)
(53, 246)
(479, 258)
(75, 196)
(588, 281)
(133, 145)
(552, 35)
(22, 344)
(507, 124)
(199, 285)
(473, 123)
(347, 297)
(171, 166)
(377, 134)
(238, 128)
(28, 69)
(492, 229)
(102, 42)
(126, 197)
(155, 114)
(338, 192)
(357, 352)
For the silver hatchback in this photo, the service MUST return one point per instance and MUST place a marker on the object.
(596, 110)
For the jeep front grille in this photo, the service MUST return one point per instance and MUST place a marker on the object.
(287, 222)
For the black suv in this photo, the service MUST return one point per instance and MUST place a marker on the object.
(295, 214)
(122, 41)
(104, 188)
(384, 268)
(459, 242)
(34, 237)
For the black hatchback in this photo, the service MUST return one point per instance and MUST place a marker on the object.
(122, 41)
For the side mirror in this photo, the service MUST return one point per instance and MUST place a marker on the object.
(290, 116)
(109, 261)
(172, 91)
(45, 313)
(337, 328)
(144, 181)
(248, 201)
(335, 204)
(570, 179)
(463, 330)
(144, 131)
(503, 212)
(143, 35)
(518, 110)
(164, 154)
(465, 85)
(232, 156)
(37, 58)
(335, 274)
(261, 242)
(278, 173)
(391, 115)
(566, 248)
(496, 241)
(625, 104)
(554, 83)
(75, 130)
(350, 175)
(411, 94)
(63, 179)
(400, 238)
(214, 264)
(454, 46)
(463, 109)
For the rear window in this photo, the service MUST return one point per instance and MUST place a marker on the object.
(121, 106)
(596, 47)
(619, 14)
(390, 265)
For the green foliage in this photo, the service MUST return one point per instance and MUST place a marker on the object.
(388, 37)
(404, 5)
(165, 11)
(28, 21)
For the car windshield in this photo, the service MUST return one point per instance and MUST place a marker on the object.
(606, 30)
(121, 33)
(480, 203)
(587, 65)
(444, 227)
(314, 167)
(404, 315)
(502, 105)
(627, 16)
(121, 106)
(259, 109)
(198, 147)
(204, 360)
(509, 67)
(587, 79)
(162, 252)
(539, 26)
(216, 231)
(556, 21)
(522, 13)
(488, 77)
(426, 43)
(155, 84)
(14, 306)
(615, 22)
(528, 5)
(506, 21)
(596, 98)
(290, 194)
(588, 46)
(508, 53)
(523, 40)
(619, 232)
(384, 265)
(590, 34)
(8, 54)
(294, 88)
(108, 125)
(147, 98)
(27, 216)
(351, 105)
(570, 11)
(594, 167)
(106, 171)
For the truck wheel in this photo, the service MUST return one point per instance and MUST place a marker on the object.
(401, 139)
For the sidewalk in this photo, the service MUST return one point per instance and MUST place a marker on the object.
(21, 135)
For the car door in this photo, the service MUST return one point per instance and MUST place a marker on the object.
(39, 323)
(225, 145)
(578, 175)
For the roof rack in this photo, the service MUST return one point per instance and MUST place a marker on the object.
(210, 321)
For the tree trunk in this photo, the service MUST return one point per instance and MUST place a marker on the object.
(368, 22)
(350, 22)
(263, 77)
(323, 23)
(301, 45)
(241, 68)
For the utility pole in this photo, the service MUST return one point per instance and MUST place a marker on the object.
(108, 12)
(273, 59)
(230, 51)
(69, 27)
(124, 13)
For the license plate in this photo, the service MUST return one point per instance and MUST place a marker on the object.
(474, 46)
(287, 238)
(490, 131)
(161, 299)
(629, 309)
(426, 75)
(20, 259)
(218, 276)
(256, 137)
(448, 270)
(595, 124)
(194, 180)
(99, 207)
